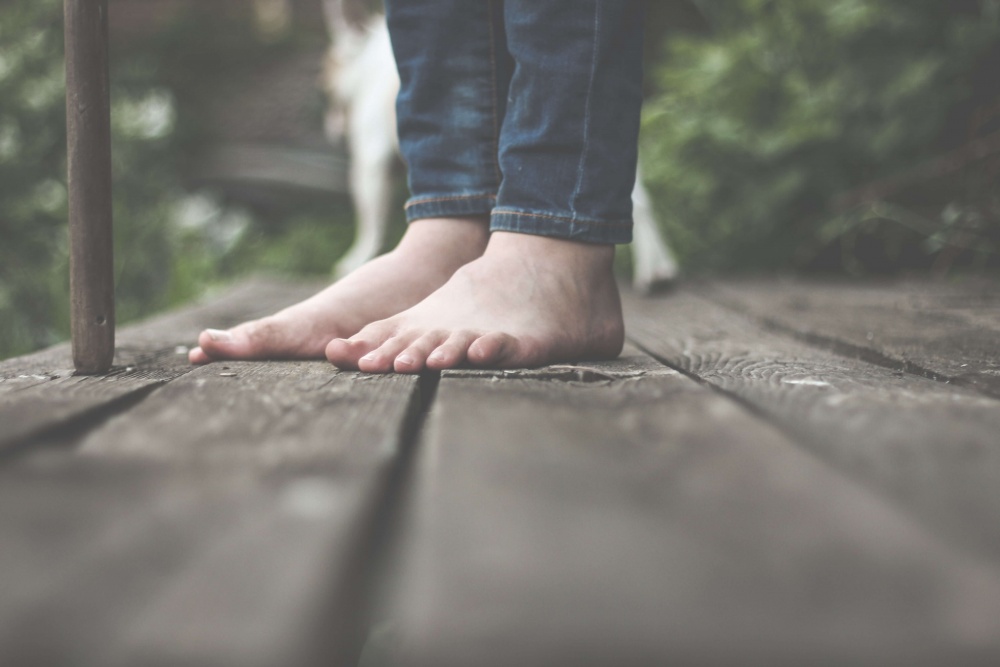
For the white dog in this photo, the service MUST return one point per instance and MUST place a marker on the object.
(361, 83)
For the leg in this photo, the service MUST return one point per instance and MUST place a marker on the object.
(449, 108)
(543, 291)
(653, 263)
(454, 76)
(366, 83)
(371, 187)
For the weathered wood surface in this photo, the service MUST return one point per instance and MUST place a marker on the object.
(304, 416)
(51, 402)
(39, 393)
(950, 331)
(637, 518)
(779, 501)
(115, 566)
(226, 519)
(88, 132)
(931, 446)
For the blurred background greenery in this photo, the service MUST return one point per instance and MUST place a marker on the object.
(838, 136)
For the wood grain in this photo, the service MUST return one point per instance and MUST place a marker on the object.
(88, 131)
(930, 446)
(39, 402)
(41, 396)
(947, 331)
(638, 518)
(220, 308)
(303, 415)
(773, 504)
(227, 518)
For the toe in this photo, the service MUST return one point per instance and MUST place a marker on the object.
(414, 358)
(382, 359)
(246, 341)
(266, 338)
(198, 357)
(453, 352)
(215, 343)
(494, 349)
(346, 353)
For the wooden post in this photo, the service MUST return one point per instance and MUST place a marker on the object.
(88, 120)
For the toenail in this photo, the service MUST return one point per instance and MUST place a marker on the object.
(437, 356)
(218, 335)
(368, 357)
(405, 359)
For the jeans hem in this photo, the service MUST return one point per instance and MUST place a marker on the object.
(615, 232)
(453, 206)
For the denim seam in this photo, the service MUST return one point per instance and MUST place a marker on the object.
(578, 221)
(493, 86)
(433, 200)
(585, 153)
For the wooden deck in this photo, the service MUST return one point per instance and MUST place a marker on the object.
(774, 473)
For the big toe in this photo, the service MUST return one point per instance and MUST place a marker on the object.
(260, 339)
(198, 357)
(224, 344)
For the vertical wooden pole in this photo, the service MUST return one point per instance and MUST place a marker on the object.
(88, 119)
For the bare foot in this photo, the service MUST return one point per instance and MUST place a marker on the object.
(427, 256)
(528, 301)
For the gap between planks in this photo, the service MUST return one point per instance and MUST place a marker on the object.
(270, 485)
(639, 518)
(943, 333)
(929, 446)
(255, 498)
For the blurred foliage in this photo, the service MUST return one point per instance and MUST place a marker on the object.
(770, 109)
(170, 244)
(32, 186)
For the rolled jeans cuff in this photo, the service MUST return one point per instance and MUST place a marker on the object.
(452, 206)
(573, 229)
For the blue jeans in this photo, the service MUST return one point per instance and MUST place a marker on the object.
(526, 111)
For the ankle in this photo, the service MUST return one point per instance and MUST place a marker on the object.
(557, 251)
(455, 236)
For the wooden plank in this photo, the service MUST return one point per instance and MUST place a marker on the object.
(228, 519)
(39, 393)
(224, 520)
(947, 331)
(930, 446)
(110, 566)
(300, 415)
(623, 514)
(88, 131)
(53, 404)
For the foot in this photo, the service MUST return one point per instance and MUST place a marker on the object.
(528, 301)
(427, 256)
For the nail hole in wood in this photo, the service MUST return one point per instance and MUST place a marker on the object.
(101, 320)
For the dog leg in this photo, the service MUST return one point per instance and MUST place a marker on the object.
(653, 263)
(371, 187)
